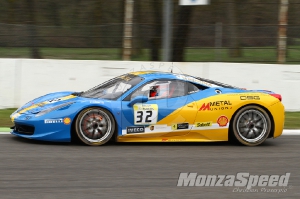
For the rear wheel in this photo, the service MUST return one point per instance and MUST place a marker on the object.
(95, 126)
(251, 125)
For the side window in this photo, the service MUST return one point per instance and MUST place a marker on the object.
(192, 88)
(177, 88)
(143, 91)
(162, 89)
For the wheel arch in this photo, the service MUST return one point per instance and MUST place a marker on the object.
(230, 133)
(73, 130)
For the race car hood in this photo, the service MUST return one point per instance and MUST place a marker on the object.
(46, 101)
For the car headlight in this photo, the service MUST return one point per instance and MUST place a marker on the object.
(43, 112)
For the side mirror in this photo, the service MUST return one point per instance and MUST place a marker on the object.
(138, 99)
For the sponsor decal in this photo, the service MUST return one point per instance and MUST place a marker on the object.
(41, 104)
(145, 114)
(151, 128)
(180, 126)
(217, 105)
(135, 129)
(203, 124)
(157, 128)
(177, 140)
(96, 102)
(249, 97)
(242, 182)
(54, 100)
(53, 121)
(172, 140)
(67, 121)
(27, 117)
(205, 107)
(222, 121)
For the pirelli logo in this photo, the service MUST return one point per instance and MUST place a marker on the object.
(53, 121)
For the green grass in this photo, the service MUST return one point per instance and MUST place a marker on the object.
(250, 54)
(292, 119)
(65, 53)
(4, 117)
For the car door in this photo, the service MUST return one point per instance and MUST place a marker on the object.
(162, 108)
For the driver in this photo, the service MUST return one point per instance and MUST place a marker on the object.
(153, 91)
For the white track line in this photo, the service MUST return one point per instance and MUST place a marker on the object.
(291, 132)
(4, 133)
(285, 132)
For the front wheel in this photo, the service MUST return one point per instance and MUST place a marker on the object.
(251, 125)
(95, 126)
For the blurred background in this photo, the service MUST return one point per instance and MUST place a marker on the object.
(222, 31)
(241, 31)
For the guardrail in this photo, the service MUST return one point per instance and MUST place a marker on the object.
(21, 80)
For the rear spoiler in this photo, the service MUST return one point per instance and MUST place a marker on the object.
(216, 83)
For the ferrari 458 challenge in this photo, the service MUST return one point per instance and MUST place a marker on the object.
(152, 106)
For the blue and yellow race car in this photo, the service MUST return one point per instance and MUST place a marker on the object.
(153, 106)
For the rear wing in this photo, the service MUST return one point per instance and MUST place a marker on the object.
(216, 83)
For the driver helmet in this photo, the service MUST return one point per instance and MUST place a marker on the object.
(153, 91)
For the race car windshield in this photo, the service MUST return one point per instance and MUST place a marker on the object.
(114, 88)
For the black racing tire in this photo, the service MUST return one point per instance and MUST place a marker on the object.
(251, 125)
(95, 126)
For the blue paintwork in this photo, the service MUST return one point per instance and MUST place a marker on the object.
(120, 109)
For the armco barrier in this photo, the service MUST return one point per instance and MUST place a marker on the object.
(24, 79)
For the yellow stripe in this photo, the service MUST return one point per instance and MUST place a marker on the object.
(39, 104)
(28, 108)
(14, 116)
(141, 72)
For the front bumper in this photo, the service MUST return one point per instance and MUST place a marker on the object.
(29, 126)
(277, 111)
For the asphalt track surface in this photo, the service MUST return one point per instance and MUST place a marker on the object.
(34, 169)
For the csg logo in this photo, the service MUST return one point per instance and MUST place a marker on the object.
(249, 97)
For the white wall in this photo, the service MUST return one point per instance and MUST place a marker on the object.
(21, 80)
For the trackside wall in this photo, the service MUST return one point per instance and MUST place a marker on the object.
(21, 80)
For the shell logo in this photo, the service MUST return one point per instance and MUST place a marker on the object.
(222, 120)
(67, 121)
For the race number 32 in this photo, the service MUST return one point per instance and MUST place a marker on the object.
(145, 114)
